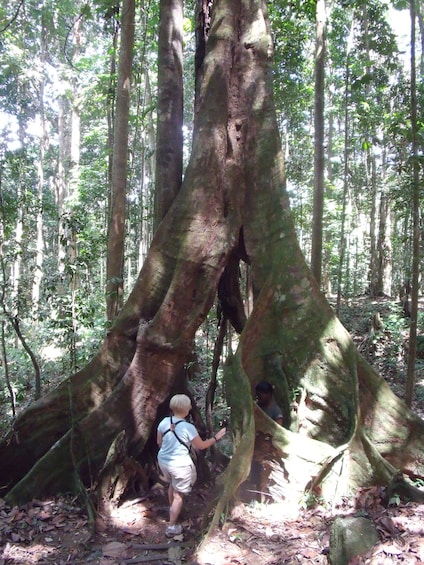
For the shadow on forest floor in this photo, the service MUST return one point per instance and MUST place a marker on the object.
(57, 532)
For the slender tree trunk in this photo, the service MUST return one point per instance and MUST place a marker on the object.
(384, 247)
(3, 289)
(416, 241)
(19, 236)
(68, 175)
(74, 170)
(61, 181)
(372, 188)
(345, 195)
(420, 16)
(346, 157)
(5, 363)
(39, 225)
(147, 182)
(371, 168)
(384, 244)
(326, 274)
(117, 213)
(319, 165)
(147, 176)
(39, 233)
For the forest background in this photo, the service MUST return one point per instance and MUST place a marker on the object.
(57, 102)
(352, 137)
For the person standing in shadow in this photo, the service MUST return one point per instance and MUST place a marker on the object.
(265, 400)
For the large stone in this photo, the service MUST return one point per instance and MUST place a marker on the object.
(351, 536)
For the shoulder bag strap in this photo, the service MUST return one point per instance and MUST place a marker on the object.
(172, 429)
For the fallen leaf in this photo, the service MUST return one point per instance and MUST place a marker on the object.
(114, 549)
(59, 520)
(387, 524)
(43, 515)
(308, 552)
(392, 549)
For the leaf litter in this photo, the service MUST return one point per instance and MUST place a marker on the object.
(58, 532)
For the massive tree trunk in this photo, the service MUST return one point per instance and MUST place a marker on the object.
(351, 430)
(169, 146)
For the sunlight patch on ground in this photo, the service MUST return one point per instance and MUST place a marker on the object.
(125, 516)
(275, 510)
(133, 516)
(33, 554)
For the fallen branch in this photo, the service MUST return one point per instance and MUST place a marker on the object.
(159, 546)
(147, 558)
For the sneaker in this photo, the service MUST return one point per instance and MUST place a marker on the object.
(175, 530)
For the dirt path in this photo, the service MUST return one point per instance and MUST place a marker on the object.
(58, 532)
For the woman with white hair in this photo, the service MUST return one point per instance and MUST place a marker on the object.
(175, 437)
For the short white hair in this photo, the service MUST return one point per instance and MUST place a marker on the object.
(180, 403)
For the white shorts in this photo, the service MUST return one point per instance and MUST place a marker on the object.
(182, 478)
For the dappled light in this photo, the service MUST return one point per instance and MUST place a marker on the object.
(36, 553)
(57, 531)
(347, 443)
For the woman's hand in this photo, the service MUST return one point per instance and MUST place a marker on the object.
(220, 434)
(200, 443)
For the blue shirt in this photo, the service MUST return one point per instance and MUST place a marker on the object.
(172, 452)
(273, 411)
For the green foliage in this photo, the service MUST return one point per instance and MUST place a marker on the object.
(418, 483)
(293, 91)
(310, 500)
(395, 500)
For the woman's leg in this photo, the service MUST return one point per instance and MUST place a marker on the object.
(170, 494)
(183, 479)
(176, 506)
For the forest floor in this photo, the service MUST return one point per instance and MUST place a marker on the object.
(58, 531)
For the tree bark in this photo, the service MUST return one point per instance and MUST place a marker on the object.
(117, 213)
(69, 126)
(319, 166)
(169, 147)
(416, 238)
(385, 246)
(345, 196)
(39, 251)
(147, 176)
(374, 289)
(351, 429)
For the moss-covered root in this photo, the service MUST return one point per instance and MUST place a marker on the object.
(239, 398)
(234, 475)
(314, 468)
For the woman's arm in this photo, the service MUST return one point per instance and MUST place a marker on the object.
(201, 444)
(159, 439)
